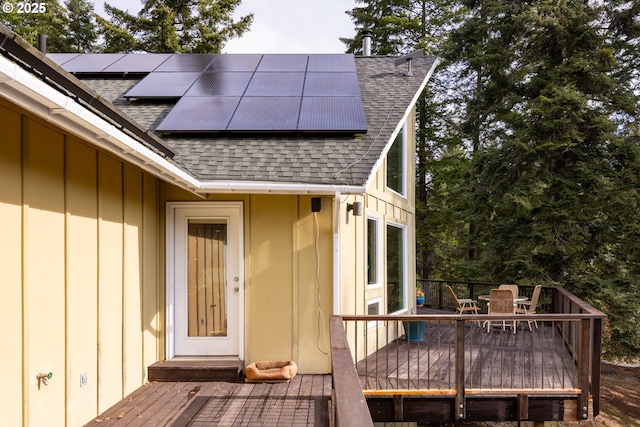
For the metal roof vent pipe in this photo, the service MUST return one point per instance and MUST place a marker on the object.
(367, 34)
(42, 43)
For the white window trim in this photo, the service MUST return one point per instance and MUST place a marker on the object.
(405, 272)
(379, 253)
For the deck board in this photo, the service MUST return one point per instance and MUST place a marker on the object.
(303, 401)
(497, 360)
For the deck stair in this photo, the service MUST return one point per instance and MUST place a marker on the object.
(196, 370)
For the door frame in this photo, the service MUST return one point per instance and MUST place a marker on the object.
(170, 268)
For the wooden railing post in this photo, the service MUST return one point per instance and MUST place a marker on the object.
(351, 406)
(461, 407)
(596, 364)
(584, 359)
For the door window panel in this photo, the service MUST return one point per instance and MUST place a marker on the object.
(206, 273)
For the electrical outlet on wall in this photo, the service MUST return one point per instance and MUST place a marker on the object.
(83, 379)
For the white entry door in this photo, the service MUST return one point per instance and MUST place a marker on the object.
(206, 284)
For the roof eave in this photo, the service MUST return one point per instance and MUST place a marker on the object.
(39, 98)
(261, 187)
(400, 124)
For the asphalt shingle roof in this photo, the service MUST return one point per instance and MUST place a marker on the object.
(331, 160)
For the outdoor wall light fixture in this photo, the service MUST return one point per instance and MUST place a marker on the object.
(316, 204)
(356, 207)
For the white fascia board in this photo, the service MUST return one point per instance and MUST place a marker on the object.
(34, 95)
(253, 187)
(400, 124)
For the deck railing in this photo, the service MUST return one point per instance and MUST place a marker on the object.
(436, 295)
(458, 357)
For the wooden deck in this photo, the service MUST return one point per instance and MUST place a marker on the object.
(494, 362)
(303, 401)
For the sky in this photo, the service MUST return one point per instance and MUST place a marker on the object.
(282, 26)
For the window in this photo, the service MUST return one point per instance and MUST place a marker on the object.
(396, 165)
(396, 269)
(373, 309)
(373, 257)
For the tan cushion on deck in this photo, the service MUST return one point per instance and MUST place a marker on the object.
(271, 370)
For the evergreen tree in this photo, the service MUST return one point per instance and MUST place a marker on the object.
(553, 154)
(51, 20)
(529, 147)
(399, 27)
(117, 31)
(83, 30)
(174, 26)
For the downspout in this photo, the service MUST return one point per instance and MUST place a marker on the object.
(337, 289)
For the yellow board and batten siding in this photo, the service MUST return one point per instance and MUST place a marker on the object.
(388, 207)
(287, 287)
(80, 272)
(288, 270)
(11, 390)
(83, 272)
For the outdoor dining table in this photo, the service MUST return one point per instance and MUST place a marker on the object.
(516, 300)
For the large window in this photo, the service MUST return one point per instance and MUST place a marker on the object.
(396, 165)
(396, 269)
(373, 257)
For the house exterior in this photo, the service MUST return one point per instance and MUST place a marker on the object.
(124, 246)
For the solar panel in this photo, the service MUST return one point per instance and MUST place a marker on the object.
(266, 113)
(332, 114)
(200, 114)
(332, 62)
(276, 84)
(162, 85)
(283, 62)
(234, 62)
(240, 92)
(91, 62)
(138, 63)
(220, 84)
(331, 84)
(190, 62)
(61, 58)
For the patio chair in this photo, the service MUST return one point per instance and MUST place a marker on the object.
(501, 302)
(529, 307)
(512, 288)
(464, 304)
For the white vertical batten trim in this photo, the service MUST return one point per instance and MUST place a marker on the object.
(337, 287)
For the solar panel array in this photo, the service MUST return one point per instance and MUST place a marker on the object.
(240, 92)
